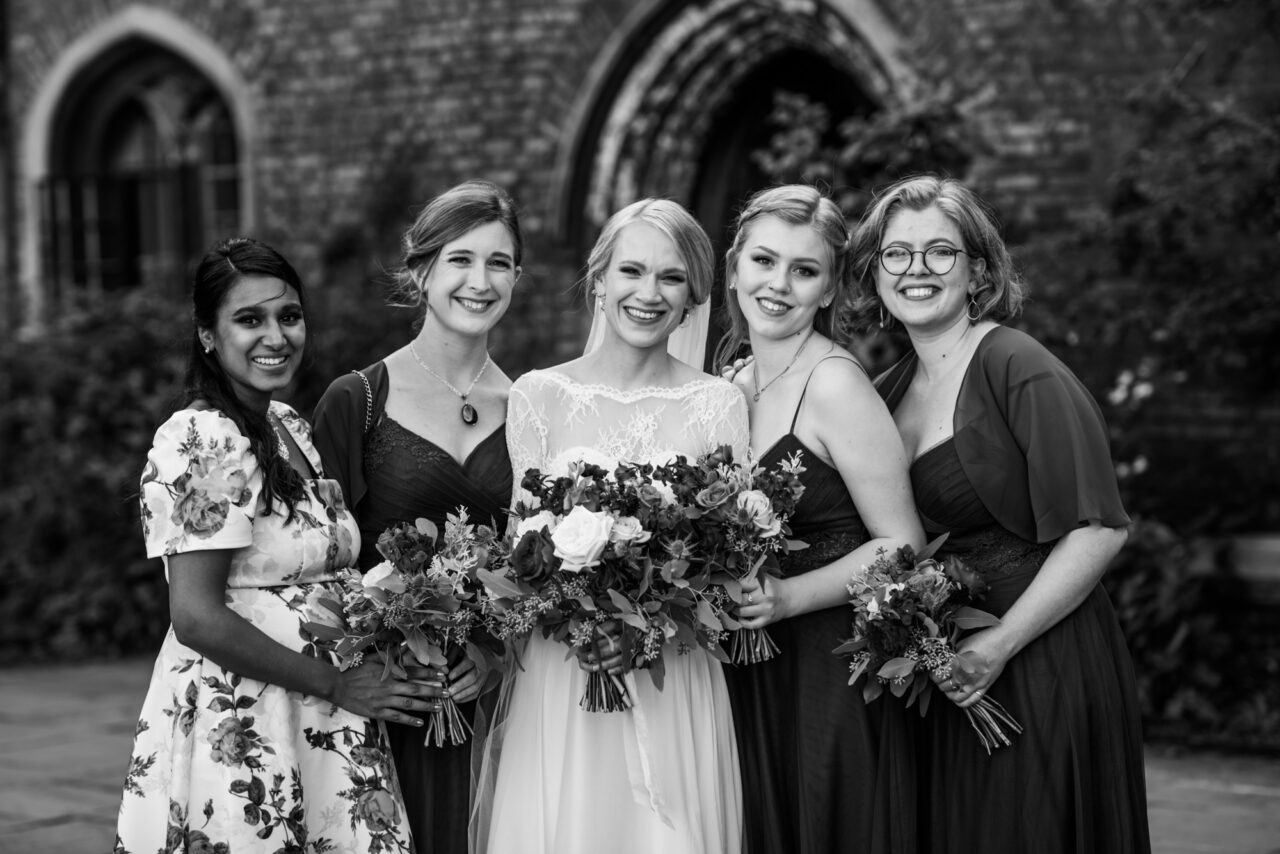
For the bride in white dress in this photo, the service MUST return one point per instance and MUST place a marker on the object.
(662, 776)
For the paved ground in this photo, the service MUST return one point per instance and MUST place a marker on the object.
(65, 735)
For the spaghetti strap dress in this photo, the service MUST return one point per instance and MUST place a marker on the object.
(402, 477)
(1073, 781)
(822, 771)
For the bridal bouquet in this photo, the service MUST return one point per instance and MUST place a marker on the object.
(600, 551)
(908, 612)
(740, 515)
(425, 599)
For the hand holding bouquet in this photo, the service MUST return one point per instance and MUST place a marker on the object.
(600, 548)
(424, 600)
(909, 611)
(740, 515)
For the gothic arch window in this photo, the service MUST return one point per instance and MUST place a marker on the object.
(678, 107)
(144, 173)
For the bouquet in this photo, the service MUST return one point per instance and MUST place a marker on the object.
(908, 612)
(740, 515)
(599, 547)
(424, 600)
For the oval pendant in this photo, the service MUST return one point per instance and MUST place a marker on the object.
(469, 414)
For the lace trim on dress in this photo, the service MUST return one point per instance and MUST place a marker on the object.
(823, 549)
(389, 435)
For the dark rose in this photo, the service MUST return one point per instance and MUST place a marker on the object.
(199, 515)
(377, 809)
(230, 744)
(714, 495)
(970, 579)
(722, 455)
(534, 557)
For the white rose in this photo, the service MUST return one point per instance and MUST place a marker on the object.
(754, 505)
(384, 577)
(538, 521)
(627, 529)
(581, 537)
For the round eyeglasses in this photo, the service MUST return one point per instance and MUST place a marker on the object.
(938, 260)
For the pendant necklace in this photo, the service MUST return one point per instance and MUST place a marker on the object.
(468, 412)
(755, 369)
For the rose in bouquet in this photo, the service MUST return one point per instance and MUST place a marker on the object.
(423, 604)
(739, 514)
(908, 612)
(600, 552)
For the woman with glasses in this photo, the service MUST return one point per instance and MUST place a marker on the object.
(1010, 458)
(822, 771)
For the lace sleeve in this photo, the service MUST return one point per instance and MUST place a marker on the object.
(728, 424)
(526, 434)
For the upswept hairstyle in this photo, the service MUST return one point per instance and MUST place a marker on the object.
(219, 271)
(672, 220)
(1000, 290)
(444, 219)
(794, 204)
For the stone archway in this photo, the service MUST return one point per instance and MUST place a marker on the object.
(671, 109)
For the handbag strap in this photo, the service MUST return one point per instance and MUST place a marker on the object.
(368, 401)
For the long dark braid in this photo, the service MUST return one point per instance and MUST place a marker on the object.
(218, 272)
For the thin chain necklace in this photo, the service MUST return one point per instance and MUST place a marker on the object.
(468, 412)
(755, 369)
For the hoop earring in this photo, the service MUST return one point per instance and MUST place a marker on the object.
(973, 309)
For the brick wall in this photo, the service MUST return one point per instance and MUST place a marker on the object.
(365, 109)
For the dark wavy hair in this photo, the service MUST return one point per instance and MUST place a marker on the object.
(219, 271)
(794, 204)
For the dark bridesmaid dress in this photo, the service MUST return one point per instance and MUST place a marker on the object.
(403, 477)
(1073, 781)
(822, 771)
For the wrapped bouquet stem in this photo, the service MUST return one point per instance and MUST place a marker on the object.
(909, 612)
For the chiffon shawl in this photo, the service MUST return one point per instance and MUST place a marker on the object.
(1031, 439)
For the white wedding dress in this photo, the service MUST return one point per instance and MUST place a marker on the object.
(663, 776)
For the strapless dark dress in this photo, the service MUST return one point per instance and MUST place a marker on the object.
(822, 771)
(409, 477)
(1073, 781)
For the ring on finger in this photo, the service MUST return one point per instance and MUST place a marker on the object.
(751, 598)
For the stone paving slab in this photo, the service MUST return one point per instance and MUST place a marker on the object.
(66, 733)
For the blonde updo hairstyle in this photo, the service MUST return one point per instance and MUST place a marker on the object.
(445, 218)
(1000, 290)
(677, 224)
(794, 204)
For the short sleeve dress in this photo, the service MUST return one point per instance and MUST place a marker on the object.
(1028, 463)
(222, 762)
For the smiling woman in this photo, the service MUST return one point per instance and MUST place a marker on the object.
(1010, 460)
(400, 437)
(235, 502)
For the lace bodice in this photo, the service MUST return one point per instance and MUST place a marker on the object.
(553, 420)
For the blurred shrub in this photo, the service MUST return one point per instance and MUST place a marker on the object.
(79, 408)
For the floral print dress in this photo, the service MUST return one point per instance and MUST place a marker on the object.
(221, 762)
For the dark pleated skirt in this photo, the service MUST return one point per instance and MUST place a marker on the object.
(1073, 782)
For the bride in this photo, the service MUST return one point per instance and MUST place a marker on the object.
(662, 776)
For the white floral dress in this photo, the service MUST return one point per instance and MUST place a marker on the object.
(663, 776)
(224, 764)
